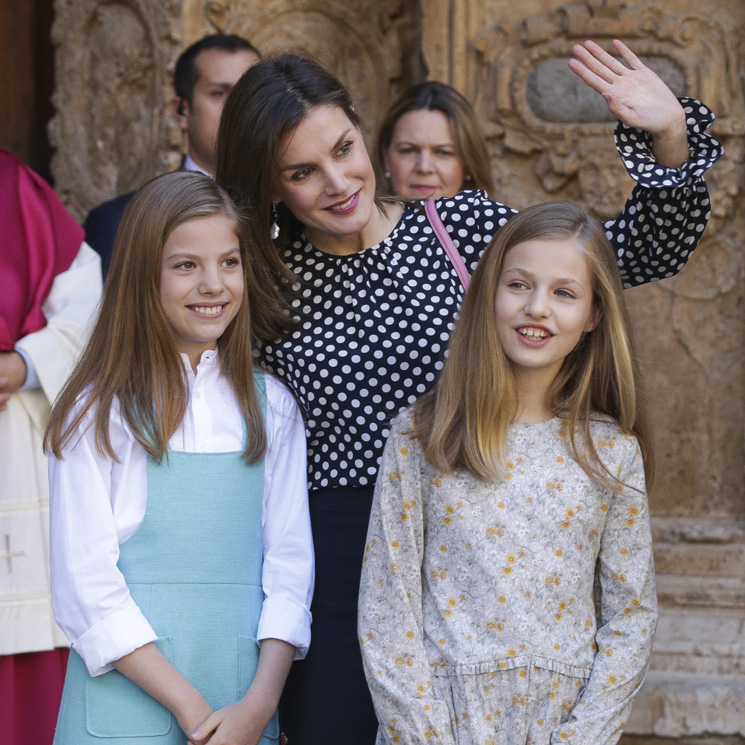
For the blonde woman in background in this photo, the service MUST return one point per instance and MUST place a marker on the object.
(430, 145)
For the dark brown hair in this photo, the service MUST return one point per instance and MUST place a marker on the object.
(186, 73)
(269, 101)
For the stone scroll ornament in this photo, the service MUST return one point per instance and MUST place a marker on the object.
(534, 106)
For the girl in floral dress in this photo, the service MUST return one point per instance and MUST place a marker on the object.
(508, 588)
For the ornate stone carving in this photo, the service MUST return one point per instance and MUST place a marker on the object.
(360, 43)
(371, 46)
(523, 86)
(113, 128)
(110, 96)
(356, 55)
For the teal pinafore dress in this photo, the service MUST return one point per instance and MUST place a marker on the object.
(194, 569)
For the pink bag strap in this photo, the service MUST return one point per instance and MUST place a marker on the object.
(447, 243)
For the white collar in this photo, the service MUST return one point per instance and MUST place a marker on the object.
(190, 165)
(208, 359)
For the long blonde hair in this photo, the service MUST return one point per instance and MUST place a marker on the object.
(462, 423)
(132, 353)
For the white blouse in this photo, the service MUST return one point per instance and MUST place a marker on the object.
(96, 504)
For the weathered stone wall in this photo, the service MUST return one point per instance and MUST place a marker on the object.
(114, 129)
(549, 139)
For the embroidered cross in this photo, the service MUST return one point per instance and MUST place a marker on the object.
(10, 555)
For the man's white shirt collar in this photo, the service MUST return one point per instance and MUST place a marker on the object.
(190, 165)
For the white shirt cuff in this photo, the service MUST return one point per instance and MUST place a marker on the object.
(288, 621)
(32, 379)
(112, 639)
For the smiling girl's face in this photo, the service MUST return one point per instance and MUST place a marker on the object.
(201, 282)
(324, 175)
(544, 304)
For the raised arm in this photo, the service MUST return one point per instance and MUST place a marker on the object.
(637, 96)
(664, 218)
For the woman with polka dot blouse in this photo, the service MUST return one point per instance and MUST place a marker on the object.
(370, 298)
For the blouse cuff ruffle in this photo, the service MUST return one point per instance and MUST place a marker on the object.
(635, 148)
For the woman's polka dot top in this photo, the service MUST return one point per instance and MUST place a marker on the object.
(375, 325)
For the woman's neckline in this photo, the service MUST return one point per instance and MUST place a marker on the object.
(385, 239)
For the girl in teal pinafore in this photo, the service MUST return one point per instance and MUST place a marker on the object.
(182, 562)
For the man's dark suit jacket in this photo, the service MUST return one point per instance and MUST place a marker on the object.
(101, 226)
(103, 222)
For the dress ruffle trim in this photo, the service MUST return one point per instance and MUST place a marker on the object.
(511, 663)
(635, 147)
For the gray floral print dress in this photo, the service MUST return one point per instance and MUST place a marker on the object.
(508, 612)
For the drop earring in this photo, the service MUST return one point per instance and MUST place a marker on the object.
(274, 216)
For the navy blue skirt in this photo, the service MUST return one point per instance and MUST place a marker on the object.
(326, 700)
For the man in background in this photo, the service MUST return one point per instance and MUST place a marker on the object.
(205, 73)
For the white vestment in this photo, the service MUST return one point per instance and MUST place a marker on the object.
(26, 621)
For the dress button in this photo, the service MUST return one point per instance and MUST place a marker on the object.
(197, 395)
(203, 447)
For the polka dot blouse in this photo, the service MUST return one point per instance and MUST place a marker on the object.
(375, 325)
